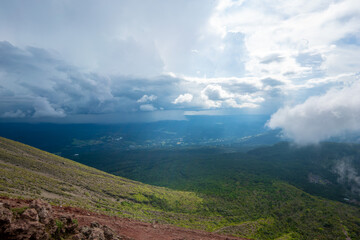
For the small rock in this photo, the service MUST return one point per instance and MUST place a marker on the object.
(66, 219)
(37, 223)
(43, 209)
(71, 228)
(78, 236)
(6, 205)
(5, 215)
(95, 225)
(86, 231)
(108, 233)
(97, 234)
(30, 214)
(25, 229)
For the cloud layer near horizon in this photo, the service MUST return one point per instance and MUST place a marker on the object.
(64, 58)
(35, 83)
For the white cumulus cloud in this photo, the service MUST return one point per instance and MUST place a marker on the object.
(321, 117)
(147, 98)
(215, 96)
(183, 98)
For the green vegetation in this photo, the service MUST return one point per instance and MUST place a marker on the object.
(263, 194)
(75, 221)
(19, 211)
(59, 225)
(233, 193)
(32, 173)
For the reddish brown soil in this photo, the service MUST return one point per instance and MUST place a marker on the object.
(126, 227)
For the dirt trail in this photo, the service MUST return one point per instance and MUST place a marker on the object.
(129, 228)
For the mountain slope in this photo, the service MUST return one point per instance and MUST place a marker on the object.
(29, 172)
(329, 169)
(251, 192)
(36, 219)
(225, 196)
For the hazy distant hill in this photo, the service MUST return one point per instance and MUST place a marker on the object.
(223, 195)
(196, 131)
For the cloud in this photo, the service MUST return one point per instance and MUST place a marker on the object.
(342, 59)
(204, 38)
(321, 117)
(271, 58)
(147, 107)
(89, 58)
(215, 92)
(271, 82)
(41, 84)
(44, 109)
(147, 98)
(14, 114)
(215, 97)
(134, 38)
(35, 83)
(344, 168)
(296, 42)
(183, 98)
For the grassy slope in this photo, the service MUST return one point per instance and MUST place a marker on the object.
(245, 204)
(249, 193)
(28, 172)
(295, 163)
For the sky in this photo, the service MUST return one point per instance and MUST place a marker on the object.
(122, 61)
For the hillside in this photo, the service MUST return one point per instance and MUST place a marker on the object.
(225, 193)
(329, 169)
(272, 188)
(36, 219)
(31, 173)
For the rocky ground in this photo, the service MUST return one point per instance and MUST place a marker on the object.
(36, 219)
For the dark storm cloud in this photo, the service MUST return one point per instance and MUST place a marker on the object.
(48, 83)
(35, 83)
